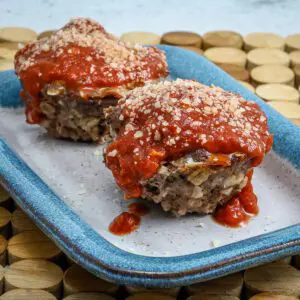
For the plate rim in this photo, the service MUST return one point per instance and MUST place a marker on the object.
(124, 267)
(103, 259)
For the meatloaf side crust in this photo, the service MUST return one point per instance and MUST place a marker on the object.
(68, 115)
(189, 185)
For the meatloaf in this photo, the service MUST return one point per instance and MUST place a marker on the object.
(185, 145)
(195, 183)
(70, 76)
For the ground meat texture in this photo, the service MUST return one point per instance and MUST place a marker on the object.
(188, 185)
(67, 115)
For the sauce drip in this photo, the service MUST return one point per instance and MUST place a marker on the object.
(239, 209)
(125, 223)
(128, 222)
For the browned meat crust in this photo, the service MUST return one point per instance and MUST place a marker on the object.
(189, 185)
(70, 116)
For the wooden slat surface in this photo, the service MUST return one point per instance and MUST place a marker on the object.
(278, 92)
(17, 34)
(292, 42)
(34, 274)
(140, 37)
(31, 245)
(150, 296)
(78, 280)
(20, 222)
(223, 48)
(272, 74)
(273, 296)
(226, 55)
(229, 285)
(171, 292)
(212, 297)
(222, 39)
(27, 294)
(89, 296)
(182, 38)
(277, 278)
(265, 56)
(263, 40)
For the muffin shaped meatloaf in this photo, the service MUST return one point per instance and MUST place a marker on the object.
(69, 77)
(185, 145)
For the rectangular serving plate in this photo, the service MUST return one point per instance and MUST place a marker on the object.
(65, 188)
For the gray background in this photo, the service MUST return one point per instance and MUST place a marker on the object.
(280, 16)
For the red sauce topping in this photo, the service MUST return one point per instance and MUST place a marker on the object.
(168, 120)
(238, 210)
(138, 209)
(125, 223)
(82, 54)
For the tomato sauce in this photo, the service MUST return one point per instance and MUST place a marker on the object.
(128, 222)
(169, 120)
(239, 209)
(125, 223)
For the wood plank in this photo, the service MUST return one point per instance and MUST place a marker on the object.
(194, 49)
(34, 274)
(88, 296)
(17, 34)
(222, 38)
(3, 248)
(4, 195)
(44, 34)
(76, 280)
(271, 296)
(136, 290)
(248, 86)
(20, 222)
(274, 278)
(237, 72)
(2, 271)
(212, 297)
(272, 74)
(292, 42)
(5, 199)
(230, 285)
(182, 38)
(226, 55)
(288, 109)
(150, 296)
(31, 245)
(141, 37)
(263, 40)
(295, 58)
(264, 56)
(278, 92)
(5, 217)
(297, 74)
(25, 294)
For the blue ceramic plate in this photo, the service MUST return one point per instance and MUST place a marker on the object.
(66, 190)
